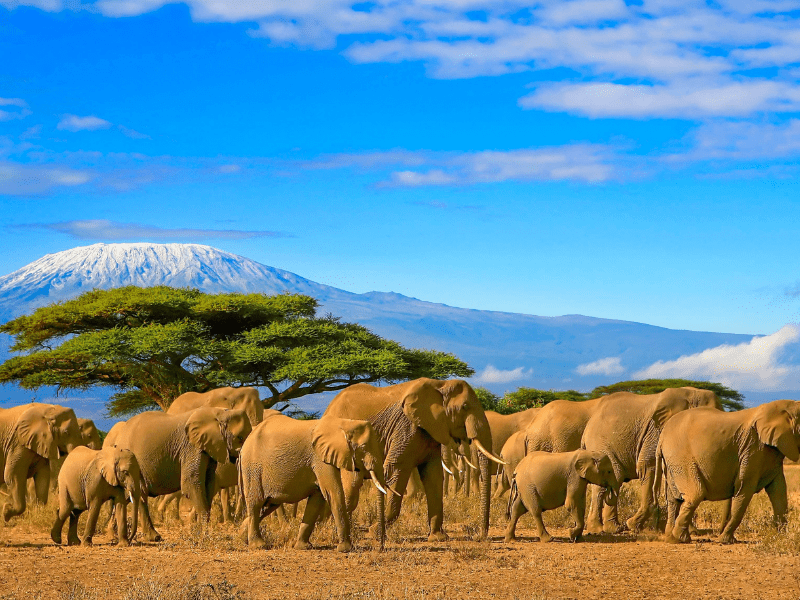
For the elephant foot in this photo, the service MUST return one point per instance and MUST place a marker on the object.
(55, 535)
(258, 543)
(726, 538)
(576, 534)
(301, 545)
(151, 536)
(6, 512)
(613, 527)
(634, 524)
(693, 530)
(545, 537)
(73, 541)
(510, 537)
(123, 543)
(437, 536)
(344, 547)
(594, 527)
(87, 542)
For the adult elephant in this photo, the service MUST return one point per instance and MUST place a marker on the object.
(625, 427)
(711, 455)
(414, 420)
(559, 425)
(181, 452)
(242, 398)
(31, 435)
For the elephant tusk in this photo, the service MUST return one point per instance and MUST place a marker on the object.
(377, 485)
(394, 491)
(130, 495)
(488, 454)
(446, 469)
(466, 460)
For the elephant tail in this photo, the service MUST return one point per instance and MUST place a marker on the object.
(512, 497)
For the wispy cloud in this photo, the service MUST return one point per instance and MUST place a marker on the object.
(34, 180)
(15, 108)
(605, 366)
(756, 365)
(76, 123)
(132, 133)
(492, 374)
(104, 230)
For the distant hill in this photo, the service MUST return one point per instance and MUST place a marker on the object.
(522, 349)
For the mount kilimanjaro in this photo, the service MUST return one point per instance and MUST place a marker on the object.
(505, 349)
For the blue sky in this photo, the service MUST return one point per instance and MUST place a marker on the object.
(625, 160)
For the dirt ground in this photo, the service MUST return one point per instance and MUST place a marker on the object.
(623, 565)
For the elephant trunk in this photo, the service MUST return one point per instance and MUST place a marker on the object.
(134, 493)
(478, 431)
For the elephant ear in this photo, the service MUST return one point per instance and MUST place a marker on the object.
(107, 464)
(333, 443)
(35, 432)
(205, 432)
(667, 406)
(424, 407)
(583, 464)
(774, 427)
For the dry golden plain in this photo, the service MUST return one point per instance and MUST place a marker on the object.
(212, 563)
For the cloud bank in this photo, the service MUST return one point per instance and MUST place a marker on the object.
(104, 230)
(605, 366)
(758, 365)
(492, 374)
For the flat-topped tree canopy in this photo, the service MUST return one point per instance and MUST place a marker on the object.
(731, 399)
(154, 344)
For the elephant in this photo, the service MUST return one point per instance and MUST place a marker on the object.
(513, 452)
(559, 425)
(181, 452)
(31, 435)
(90, 434)
(87, 479)
(625, 427)
(454, 467)
(706, 454)
(286, 460)
(414, 420)
(502, 428)
(546, 480)
(244, 398)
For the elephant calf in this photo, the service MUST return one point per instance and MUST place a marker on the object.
(544, 481)
(87, 479)
(285, 460)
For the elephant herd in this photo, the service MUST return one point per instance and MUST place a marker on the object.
(225, 441)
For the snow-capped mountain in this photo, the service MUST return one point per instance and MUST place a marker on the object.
(508, 349)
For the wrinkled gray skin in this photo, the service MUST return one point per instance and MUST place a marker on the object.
(706, 454)
(286, 460)
(31, 435)
(625, 427)
(87, 479)
(545, 480)
(181, 452)
(414, 419)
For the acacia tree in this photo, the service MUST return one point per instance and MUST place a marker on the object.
(154, 344)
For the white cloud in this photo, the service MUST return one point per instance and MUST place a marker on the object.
(493, 375)
(76, 123)
(132, 133)
(18, 109)
(104, 230)
(33, 180)
(605, 366)
(755, 365)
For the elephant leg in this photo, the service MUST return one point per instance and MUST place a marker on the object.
(111, 531)
(739, 505)
(91, 523)
(72, 534)
(335, 496)
(64, 509)
(314, 505)
(432, 475)
(41, 483)
(611, 522)
(502, 486)
(225, 501)
(776, 491)
(637, 521)
(253, 517)
(577, 508)
(726, 516)
(673, 506)
(16, 492)
(122, 522)
(149, 533)
(595, 524)
(680, 533)
(517, 510)
(398, 480)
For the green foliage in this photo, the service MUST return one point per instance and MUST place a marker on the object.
(731, 399)
(153, 344)
(524, 398)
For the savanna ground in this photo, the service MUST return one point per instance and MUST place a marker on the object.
(212, 563)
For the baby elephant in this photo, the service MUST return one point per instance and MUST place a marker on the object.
(545, 480)
(87, 479)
